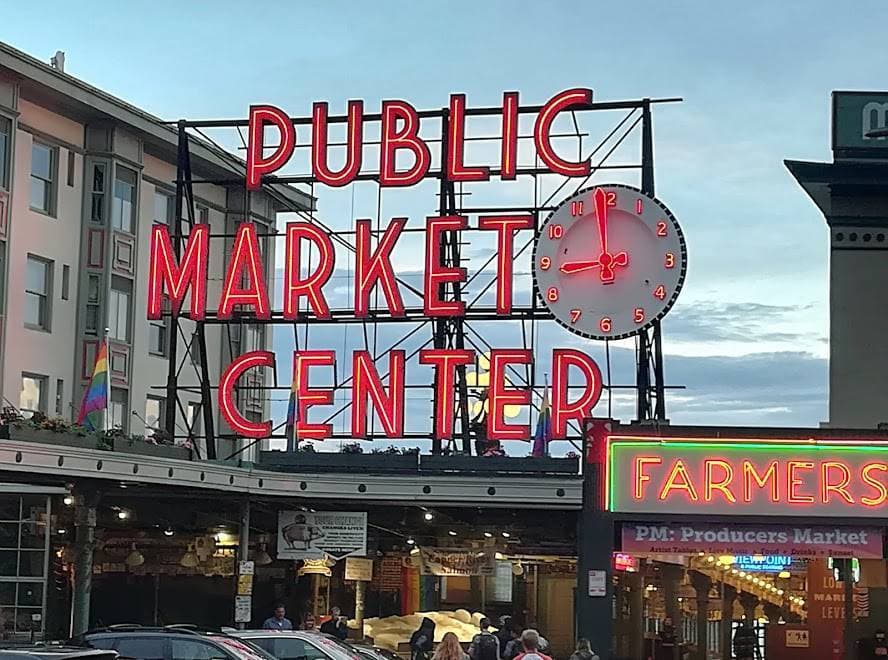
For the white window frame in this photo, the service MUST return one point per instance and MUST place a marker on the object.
(43, 384)
(50, 184)
(117, 216)
(46, 324)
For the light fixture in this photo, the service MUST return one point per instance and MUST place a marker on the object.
(429, 516)
(168, 531)
(134, 558)
(488, 535)
(517, 569)
(506, 535)
(262, 558)
(189, 559)
(498, 556)
(68, 500)
(452, 533)
(780, 592)
(123, 514)
(742, 574)
(710, 559)
(734, 571)
(415, 551)
(410, 541)
(315, 567)
(785, 575)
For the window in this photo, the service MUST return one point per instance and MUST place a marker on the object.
(119, 308)
(193, 649)
(123, 211)
(43, 169)
(195, 416)
(157, 338)
(66, 281)
(154, 412)
(60, 395)
(70, 172)
(146, 648)
(38, 283)
(5, 148)
(163, 207)
(203, 215)
(93, 300)
(32, 398)
(97, 213)
(119, 419)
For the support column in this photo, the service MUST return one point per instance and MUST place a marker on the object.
(360, 587)
(749, 602)
(728, 598)
(702, 583)
(636, 611)
(243, 553)
(671, 576)
(86, 499)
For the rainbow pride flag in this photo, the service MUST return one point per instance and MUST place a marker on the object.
(95, 400)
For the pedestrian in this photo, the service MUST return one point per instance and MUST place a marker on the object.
(485, 645)
(423, 640)
(584, 651)
(544, 643)
(530, 642)
(279, 621)
(746, 643)
(336, 625)
(308, 624)
(666, 641)
(505, 635)
(449, 649)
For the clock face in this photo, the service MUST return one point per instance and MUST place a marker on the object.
(609, 262)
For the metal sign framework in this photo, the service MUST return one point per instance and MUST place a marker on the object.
(457, 332)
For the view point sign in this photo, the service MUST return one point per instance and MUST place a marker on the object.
(404, 160)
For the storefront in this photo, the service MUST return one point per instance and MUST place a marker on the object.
(715, 528)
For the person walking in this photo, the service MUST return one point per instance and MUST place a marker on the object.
(506, 634)
(336, 625)
(423, 640)
(450, 649)
(584, 651)
(485, 645)
(746, 645)
(279, 621)
(308, 624)
(530, 641)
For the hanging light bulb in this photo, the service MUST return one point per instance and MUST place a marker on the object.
(134, 558)
(189, 559)
(68, 500)
(429, 516)
(262, 558)
(168, 531)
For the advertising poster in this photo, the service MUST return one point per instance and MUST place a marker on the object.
(448, 562)
(316, 534)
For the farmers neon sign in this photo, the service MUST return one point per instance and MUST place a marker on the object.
(744, 477)
(378, 385)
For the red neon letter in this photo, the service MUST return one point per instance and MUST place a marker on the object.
(710, 484)
(564, 410)
(373, 266)
(435, 273)
(499, 396)
(456, 135)
(840, 488)
(640, 477)
(257, 164)
(509, 165)
(679, 479)
(794, 497)
(354, 146)
(245, 258)
(163, 271)
(567, 100)
(238, 423)
(389, 408)
(875, 484)
(445, 362)
(307, 397)
(750, 475)
(505, 226)
(405, 138)
(295, 287)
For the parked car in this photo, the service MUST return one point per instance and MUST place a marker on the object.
(301, 645)
(170, 643)
(54, 652)
(371, 652)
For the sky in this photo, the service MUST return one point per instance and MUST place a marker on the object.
(748, 338)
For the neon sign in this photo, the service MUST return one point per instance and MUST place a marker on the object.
(747, 477)
(763, 563)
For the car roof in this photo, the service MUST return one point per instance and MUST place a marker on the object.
(59, 652)
(276, 633)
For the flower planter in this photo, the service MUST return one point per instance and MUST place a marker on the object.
(27, 434)
(125, 445)
(500, 464)
(335, 462)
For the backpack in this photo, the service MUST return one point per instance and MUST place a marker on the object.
(486, 647)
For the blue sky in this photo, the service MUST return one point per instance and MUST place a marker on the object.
(748, 337)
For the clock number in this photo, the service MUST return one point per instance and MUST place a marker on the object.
(605, 324)
(661, 228)
(639, 315)
(545, 263)
(556, 231)
(552, 294)
(670, 260)
(660, 292)
(639, 207)
(576, 208)
(575, 315)
(612, 199)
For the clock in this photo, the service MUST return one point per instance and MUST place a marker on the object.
(609, 262)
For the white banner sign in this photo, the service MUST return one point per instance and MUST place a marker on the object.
(315, 534)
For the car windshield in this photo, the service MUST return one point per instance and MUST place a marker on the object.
(330, 643)
(243, 649)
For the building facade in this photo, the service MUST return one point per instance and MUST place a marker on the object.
(83, 177)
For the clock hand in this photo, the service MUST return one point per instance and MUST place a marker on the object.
(600, 199)
(570, 267)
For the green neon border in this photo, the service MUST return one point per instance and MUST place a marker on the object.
(728, 443)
